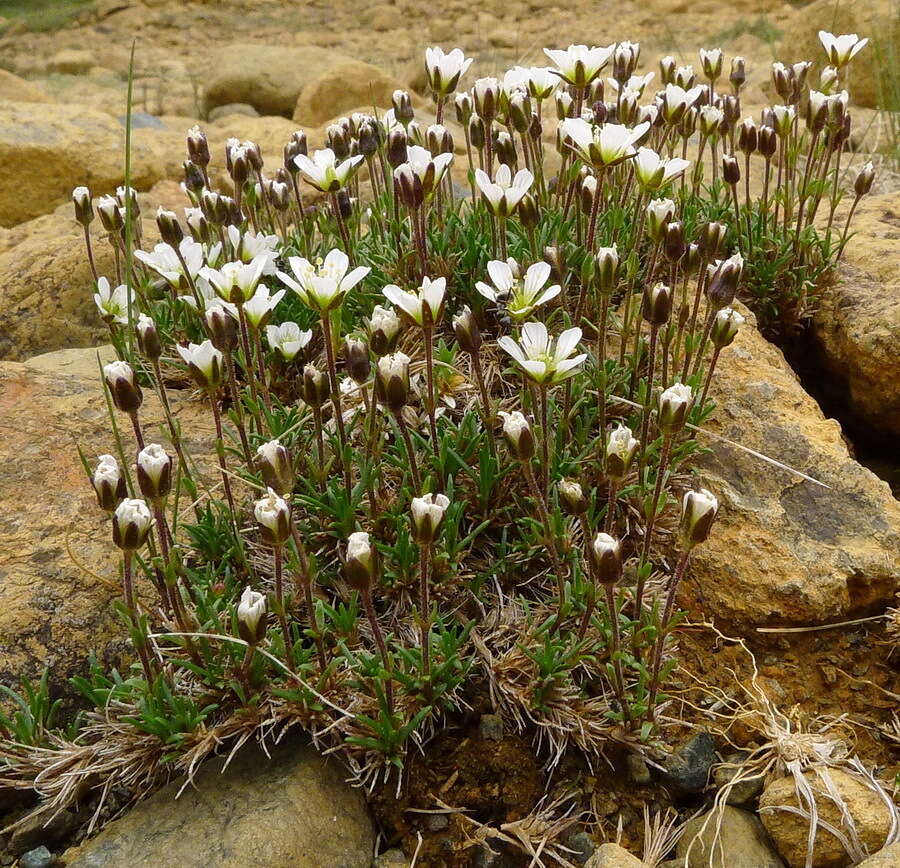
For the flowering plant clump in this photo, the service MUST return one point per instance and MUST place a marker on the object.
(453, 434)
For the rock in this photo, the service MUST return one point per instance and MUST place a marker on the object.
(40, 830)
(18, 89)
(687, 769)
(638, 771)
(292, 810)
(53, 152)
(857, 325)
(744, 791)
(889, 857)
(143, 121)
(490, 726)
(58, 566)
(342, 87)
(383, 17)
(742, 842)
(391, 859)
(871, 819)
(233, 108)
(71, 61)
(583, 846)
(270, 78)
(613, 856)
(40, 857)
(783, 549)
(876, 19)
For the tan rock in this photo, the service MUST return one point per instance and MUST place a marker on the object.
(889, 857)
(870, 816)
(71, 61)
(732, 839)
(58, 566)
(291, 810)
(18, 89)
(612, 856)
(384, 17)
(342, 87)
(857, 325)
(783, 549)
(876, 19)
(270, 78)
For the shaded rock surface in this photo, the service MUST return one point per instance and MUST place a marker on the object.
(734, 839)
(687, 769)
(17, 89)
(291, 810)
(613, 856)
(870, 817)
(784, 549)
(889, 857)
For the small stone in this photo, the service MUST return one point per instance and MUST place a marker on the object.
(71, 61)
(613, 856)
(742, 842)
(583, 846)
(638, 770)
(40, 857)
(889, 857)
(742, 792)
(233, 108)
(688, 768)
(41, 829)
(490, 727)
(436, 822)
(391, 859)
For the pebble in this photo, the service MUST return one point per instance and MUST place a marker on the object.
(583, 845)
(687, 768)
(40, 857)
(490, 727)
(638, 770)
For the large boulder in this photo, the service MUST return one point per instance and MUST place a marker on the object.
(857, 324)
(270, 78)
(20, 89)
(59, 571)
(877, 19)
(290, 810)
(48, 153)
(862, 814)
(785, 550)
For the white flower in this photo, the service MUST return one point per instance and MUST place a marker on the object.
(578, 64)
(659, 213)
(107, 470)
(841, 49)
(153, 460)
(287, 339)
(784, 118)
(235, 282)
(521, 296)
(131, 524)
(134, 510)
(324, 172)
(112, 303)
(251, 245)
(676, 100)
(204, 360)
(429, 170)
(606, 146)
(711, 118)
(544, 359)
(711, 61)
(117, 370)
(359, 547)
(653, 172)
(605, 544)
(674, 403)
(514, 425)
(165, 262)
(445, 70)
(273, 515)
(431, 295)
(636, 83)
(427, 515)
(542, 82)
(505, 192)
(323, 286)
(698, 512)
(251, 609)
(259, 308)
(208, 297)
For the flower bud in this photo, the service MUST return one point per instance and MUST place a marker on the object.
(252, 616)
(110, 214)
(315, 389)
(383, 328)
(572, 497)
(767, 142)
(84, 211)
(674, 404)
(864, 180)
(476, 132)
(397, 150)
(154, 472)
(274, 518)
(197, 146)
(588, 192)
(296, 146)
(486, 95)
(358, 363)
(520, 111)
(711, 238)
(367, 138)
(518, 435)
(194, 182)
(659, 213)
(148, 338)
(204, 362)
(656, 305)
(690, 262)
(360, 566)
(428, 516)
(606, 553)
(723, 281)
(564, 104)
(392, 381)
(607, 268)
(621, 450)
(555, 257)
(725, 327)
(169, 228)
(698, 512)
(125, 392)
(505, 150)
(222, 327)
(131, 523)
(108, 482)
(463, 105)
(667, 70)
(274, 462)
(402, 104)
(711, 61)
(748, 136)
(529, 216)
(731, 170)
(738, 73)
(673, 241)
(468, 335)
(408, 187)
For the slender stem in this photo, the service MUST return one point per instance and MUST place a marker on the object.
(248, 364)
(651, 519)
(429, 379)
(336, 402)
(545, 438)
(539, 498)
(305, 580)
(410, 451)
(220, 452)
(131, 604)
(90, 252)
(648, 399)
(279, 597)
(610, 506)
(612, 606)
(342, 225)
(487, 414)
(709, 374)
(138, 434)
(382, 646)
(238, 407)
(425, 615)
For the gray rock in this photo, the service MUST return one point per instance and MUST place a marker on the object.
(491, 727)
(583, 845)
(292, 810)
(143, 121)
(40, 857)
(41, 829)
(638, 770)
(741, 793)
(687, 769)
(391, 859)
(742, 842)
(233, 108)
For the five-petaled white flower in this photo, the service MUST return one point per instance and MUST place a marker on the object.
(504, 193)
(677, 100)
(445, 70)
(204, 361)
(544, 359)
(578, 64)
(235, 281)
(324, 172)
(428, 169)
(112, 303)
(249, 245)
(603, 146)
(653, 172)
(520, 295)
(323, 286)
(841, 49)
(259, 308)
(164, 260)
(430, 296)
(287, 339)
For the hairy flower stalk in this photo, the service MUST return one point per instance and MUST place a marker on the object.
(273, 515)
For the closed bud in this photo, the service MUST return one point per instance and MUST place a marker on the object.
(110, 214)
(673, 241)
(428, 516)
(148, 338)
(505, 150)
(438, 140)
(607, 268)
(197, 146)
(572, 497)
(274, 463)
(194, 181)
(711, 239)
(725, 327)
(711, 61)
(520, 111)
(123, 388)
(767, 142)
(131, 523)
(383, 328)
(273, 515)
(565, 105)
(731, 170)
(606, 553)
(345, 203)
(252, 616)
(476, 132)
(731, 111)
(659, 213)
(397, 152)
(240, 166)
(468, 335)
(486, 96)
(408, 187)
(463, 105)
(154, 472)
(690, 263)
(600, 111)
(621, 450)
(748, 136)
(169, 228)
(84, 211)
(674, 404)
(356, 357)
(698, 512)
(518, 435)
(402, 104)
(667, 70)
(529, 216)
(204, 362)
(368, 139)
(555, 257)
(109, 483)
(738, 73)
(828, 78)
(724, 278)
(361, 563)
(864, 179)
(392, 381)
(223, 328)
(588, 192)
(656, 306)
(315, 389)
